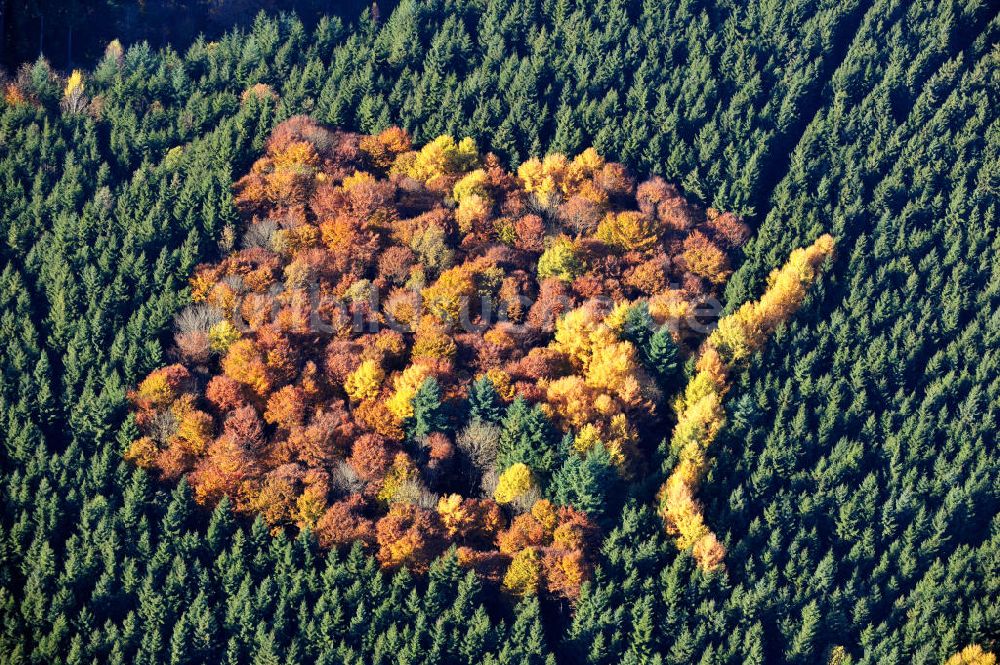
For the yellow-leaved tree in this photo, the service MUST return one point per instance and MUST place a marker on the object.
(73, 100)
(405, 387)
(365, 382)
(514, 483)
(441, 157)
(525, 573)
(972, 655)
(609, 385)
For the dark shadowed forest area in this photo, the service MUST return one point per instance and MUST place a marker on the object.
(73, 33)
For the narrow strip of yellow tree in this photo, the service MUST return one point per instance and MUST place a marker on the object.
(700, 415)
(972, 655)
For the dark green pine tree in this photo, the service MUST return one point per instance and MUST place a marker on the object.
(428, 414)
(265, 648)
(659, 352)
(662, 357)
(639, 325)
(805, 639)
(204, 629)
(234, 652)
(684, 648)
(643, 629)
(442, 583)
(753, 645)
(527, 437)
(260, 541)
(75, 655)
(514, 426)
(590, 483)
(45, 401)
(180, 642)
(479, 637)
(220, 526)
(484, 402)
(526, 642)
(467, 591)
(178, 511)
(568, 137)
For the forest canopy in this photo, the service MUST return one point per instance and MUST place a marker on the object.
(833, 448)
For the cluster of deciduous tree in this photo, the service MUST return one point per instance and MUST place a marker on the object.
(408, 345)
(700, 413)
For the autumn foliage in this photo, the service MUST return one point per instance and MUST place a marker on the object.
(700, 414)
(322, 375)
(972, 655)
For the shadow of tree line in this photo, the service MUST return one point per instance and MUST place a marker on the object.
(72, 33)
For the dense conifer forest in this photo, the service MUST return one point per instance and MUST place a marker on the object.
(814, 480)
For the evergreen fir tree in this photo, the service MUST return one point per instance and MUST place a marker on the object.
(178, 511)
(180, 642)
(527, 639)
(428, 415)
(528, 437)
(589, 483)
(484, 402)
(639, 325)
(661, 355)
(220, 526)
